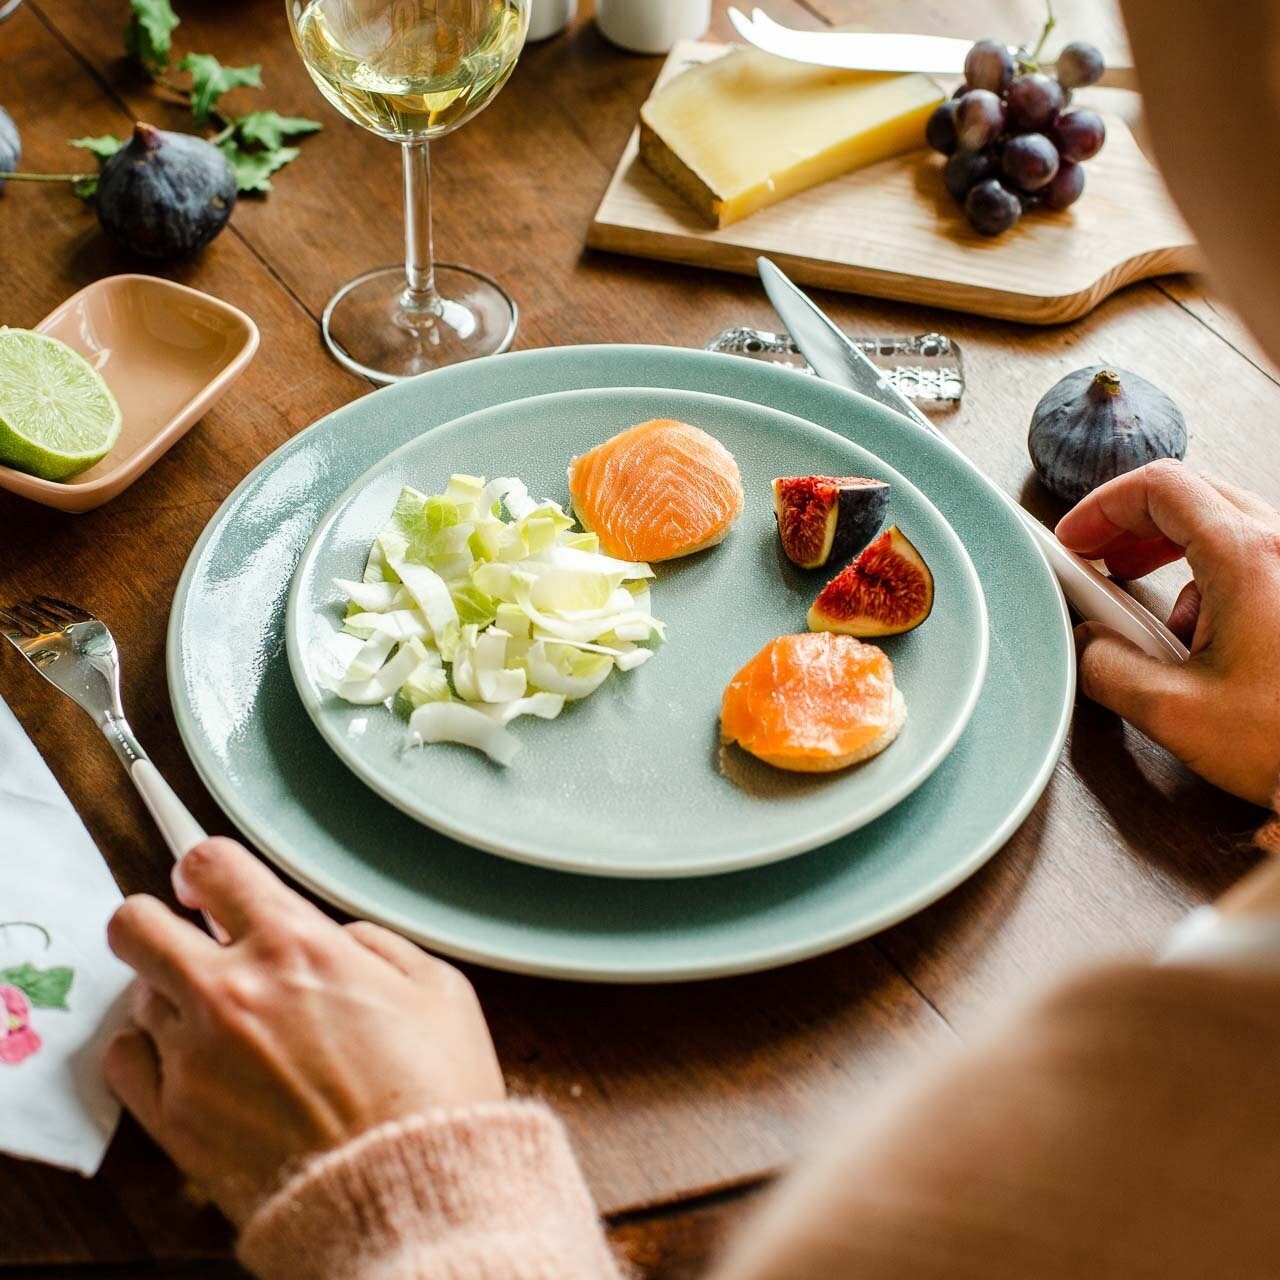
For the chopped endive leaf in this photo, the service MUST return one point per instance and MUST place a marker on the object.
(455, 722)
(481, 605)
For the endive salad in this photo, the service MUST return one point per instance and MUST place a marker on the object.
(479, 605)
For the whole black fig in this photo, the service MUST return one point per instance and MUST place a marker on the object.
(1098, 423)
(10, 145)
(165, 195)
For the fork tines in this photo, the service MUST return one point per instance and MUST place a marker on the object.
(43, 614)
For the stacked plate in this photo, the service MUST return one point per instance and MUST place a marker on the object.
(622, 844)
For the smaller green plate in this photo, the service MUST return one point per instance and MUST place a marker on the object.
(632, 781)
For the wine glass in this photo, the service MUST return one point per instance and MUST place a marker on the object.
(410, 71)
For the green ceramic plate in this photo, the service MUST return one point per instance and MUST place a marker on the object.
(632, 781)
(259, 754)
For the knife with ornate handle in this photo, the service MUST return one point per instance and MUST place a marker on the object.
(874, 51)
(1094, 596)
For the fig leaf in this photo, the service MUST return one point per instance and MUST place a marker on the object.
(253, 169)
(103, 147)
(269, 128)
(210, 80)
(148, 36)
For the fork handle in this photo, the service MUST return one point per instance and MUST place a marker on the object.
(180, 830)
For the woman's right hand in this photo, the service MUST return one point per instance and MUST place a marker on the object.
(1219, 712)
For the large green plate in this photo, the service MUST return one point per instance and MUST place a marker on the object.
(256, 749)
(632, 781)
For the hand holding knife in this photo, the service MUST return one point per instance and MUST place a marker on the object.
(1094, 596)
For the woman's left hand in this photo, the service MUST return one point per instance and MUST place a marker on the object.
(293, 1038)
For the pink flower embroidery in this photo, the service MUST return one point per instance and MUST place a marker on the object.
(18, 1039)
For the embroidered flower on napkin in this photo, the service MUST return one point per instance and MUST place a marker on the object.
(61, 988)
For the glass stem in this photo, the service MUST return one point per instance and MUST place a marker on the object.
(419, 265)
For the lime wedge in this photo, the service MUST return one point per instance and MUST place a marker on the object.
(57, 416)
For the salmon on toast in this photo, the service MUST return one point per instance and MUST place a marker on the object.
(813, 703)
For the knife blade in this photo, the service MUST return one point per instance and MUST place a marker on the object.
(1094, 596)
(875, 51)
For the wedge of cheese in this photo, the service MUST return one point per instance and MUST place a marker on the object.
(748, 129)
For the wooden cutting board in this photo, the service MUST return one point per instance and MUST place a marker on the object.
(892, 231)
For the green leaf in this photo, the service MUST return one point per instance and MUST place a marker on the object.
(269, 128)
(45, 988)
(85, 188)
(103, 147)
(210, 80)
(253, 168)
(148, 36)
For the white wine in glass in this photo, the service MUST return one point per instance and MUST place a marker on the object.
(410, 71)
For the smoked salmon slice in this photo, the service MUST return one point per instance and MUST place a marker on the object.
(813, 703)
(657, 490)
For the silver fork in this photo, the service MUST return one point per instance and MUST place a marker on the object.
(78, 654)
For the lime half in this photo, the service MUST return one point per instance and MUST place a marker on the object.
(57, 416)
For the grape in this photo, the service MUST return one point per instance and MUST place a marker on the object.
(967, 168)
(979, 119)
(991, 209)
(989, 65)
(1033, 102)
(1030, 161)
(1079, 64)
(1079, 134)
(1066, 187)
(940, 132)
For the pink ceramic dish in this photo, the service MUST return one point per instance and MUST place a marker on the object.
(167, 352)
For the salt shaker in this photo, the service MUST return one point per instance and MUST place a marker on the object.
(652, 26)
(549, 17)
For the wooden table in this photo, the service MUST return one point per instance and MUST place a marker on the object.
(682, 1100)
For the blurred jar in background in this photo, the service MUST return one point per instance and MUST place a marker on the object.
(652, 26)
(550, 17)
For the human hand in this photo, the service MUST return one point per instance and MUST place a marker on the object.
(293, 1038)
(1219, 712)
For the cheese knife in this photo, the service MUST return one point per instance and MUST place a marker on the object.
(1093, 595)
(875, 51)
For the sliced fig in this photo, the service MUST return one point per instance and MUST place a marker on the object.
(887, 590)
(822, 519)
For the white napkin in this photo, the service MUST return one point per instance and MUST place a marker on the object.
(60, 987)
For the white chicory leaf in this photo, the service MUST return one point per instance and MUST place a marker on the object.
(480, 605)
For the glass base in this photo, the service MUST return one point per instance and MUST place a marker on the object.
(369, 328)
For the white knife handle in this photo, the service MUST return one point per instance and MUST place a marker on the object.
(1097, 599)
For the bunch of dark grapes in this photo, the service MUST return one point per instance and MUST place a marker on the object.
(1011, 138)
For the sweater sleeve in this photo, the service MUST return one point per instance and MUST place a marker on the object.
(1124, 1128)
(489, 1193)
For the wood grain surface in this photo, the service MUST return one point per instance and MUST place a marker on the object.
(893, 231)
(679, 1099)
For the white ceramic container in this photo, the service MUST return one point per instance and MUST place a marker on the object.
(652, 26)
(550, 17)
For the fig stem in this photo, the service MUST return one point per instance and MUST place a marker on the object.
(46, 177)
(1106, 383)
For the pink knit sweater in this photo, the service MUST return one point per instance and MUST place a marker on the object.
(1126, 1128)
(489, 1193)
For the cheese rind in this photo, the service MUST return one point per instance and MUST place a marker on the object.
(747, 130)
